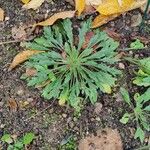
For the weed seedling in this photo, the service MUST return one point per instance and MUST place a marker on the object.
(140, 112)
(71, 68)
(18, 144)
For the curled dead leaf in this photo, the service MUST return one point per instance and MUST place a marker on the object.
(21, 57)
(12, 104)
(33, 4)
(1, 14)
(55, 17)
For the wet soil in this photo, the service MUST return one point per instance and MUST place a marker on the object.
(50, 122)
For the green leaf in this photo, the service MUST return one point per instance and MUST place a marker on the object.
(18, 145)
(137, 44)
(125, 118)
(7, 138)
(147, 108)
(82, 33)
(36, 46)
(144, 97)
(10, 147)
(67, 24)
(139, 134)
(28, 138)
(125, 95)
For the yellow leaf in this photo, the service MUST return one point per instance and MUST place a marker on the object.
(107, 88)
(102, 19)
(25, 1)
(62, 102)
(33, 4)
(1, 14)
(21, 57)
(55, 17)
(109, 7)
(79, 6)
(63, 97)
(93, 2)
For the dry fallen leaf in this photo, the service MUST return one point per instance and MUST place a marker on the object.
(33, 4)
(1, 14)
(25, 1)
(12, 104)
(79, 6)
(106, 139)
(116, 36)
(21, 57)
(55, 17)
(110, 7)
(93, 2)
(102, 19)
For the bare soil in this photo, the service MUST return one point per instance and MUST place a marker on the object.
(56, 123)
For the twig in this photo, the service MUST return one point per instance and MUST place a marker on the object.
(38, 113)
(15, 41)
(8, 42)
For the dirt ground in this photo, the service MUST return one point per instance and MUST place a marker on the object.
(55, 124)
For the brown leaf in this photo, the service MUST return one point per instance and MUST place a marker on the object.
(113, 34)
(106, 139)
(88, 37)
(55, 17)
(102, 19)
(21, 57)
(1, 14)
(12, 104)
(33, 4)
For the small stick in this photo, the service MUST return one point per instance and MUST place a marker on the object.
(8, 42)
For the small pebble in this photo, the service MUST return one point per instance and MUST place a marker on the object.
(71, 124)
(30, 99)
(64, 115)
(1, 104)
(20, 92)
(7, 18)
(121, 66)
(98, 119)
